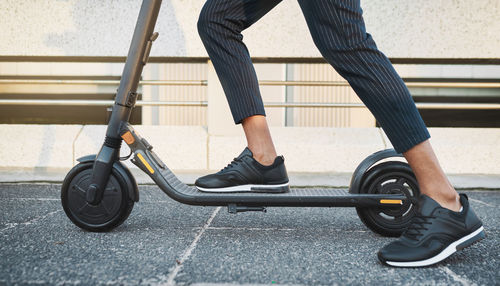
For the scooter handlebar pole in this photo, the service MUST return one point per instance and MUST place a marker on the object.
(126, 96)
(138, 52)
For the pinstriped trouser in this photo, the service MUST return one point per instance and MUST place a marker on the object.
(338, 30)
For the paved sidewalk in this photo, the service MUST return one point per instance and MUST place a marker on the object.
(165, 242)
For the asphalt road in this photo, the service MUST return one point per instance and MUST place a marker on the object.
(165, 242)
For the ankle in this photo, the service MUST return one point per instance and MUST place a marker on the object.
(450, 201)
(453, 205)
(264, 157)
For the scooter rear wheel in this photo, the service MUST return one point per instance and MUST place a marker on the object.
(112, 211)
(391, 177)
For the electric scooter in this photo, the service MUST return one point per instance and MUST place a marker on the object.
(98, 194)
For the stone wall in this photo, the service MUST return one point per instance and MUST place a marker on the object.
(401, 28)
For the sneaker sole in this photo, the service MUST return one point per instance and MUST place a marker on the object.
(460, 244)
(281, 188)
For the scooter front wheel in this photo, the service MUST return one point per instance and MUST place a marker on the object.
(112, 211)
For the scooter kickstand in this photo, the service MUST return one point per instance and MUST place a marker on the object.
(234, 209)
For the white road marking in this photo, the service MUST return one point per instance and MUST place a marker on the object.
(248, 228)
(267, 228)
(237, 284)
(32, 221)
(187, 252)
(481, 202)
(31, 199)
(456, 277)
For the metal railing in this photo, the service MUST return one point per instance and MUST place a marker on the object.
(76, 102)
(101, 82)
(84, 102)
(69, 102)
(262, 82)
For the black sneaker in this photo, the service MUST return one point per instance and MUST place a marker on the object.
(434, 234)
(245, 174)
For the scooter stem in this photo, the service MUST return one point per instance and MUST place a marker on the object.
(126, 96)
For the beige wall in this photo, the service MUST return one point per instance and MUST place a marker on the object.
(401, 28)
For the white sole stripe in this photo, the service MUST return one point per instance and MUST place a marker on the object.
(452, 248)
(241, 188)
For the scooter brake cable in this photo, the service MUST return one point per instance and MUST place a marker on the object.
(126, 157)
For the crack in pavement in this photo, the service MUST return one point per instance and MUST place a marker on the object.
(189, 250)
(32, 221)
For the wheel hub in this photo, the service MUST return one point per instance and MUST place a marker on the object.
(395, 188)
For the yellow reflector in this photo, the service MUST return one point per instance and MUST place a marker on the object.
(396, 202)
(128, 138)
(145, 163)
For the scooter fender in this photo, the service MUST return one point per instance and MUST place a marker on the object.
(357, 176)
(123, 171)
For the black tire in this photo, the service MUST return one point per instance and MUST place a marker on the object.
(391, 177)
(112, 211)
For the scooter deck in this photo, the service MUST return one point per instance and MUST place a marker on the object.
(297, 197)
(151, 164)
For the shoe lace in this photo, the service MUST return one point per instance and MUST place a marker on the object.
(233, 163)
(418, 224)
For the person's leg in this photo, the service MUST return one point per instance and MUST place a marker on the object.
(437, 230)
(431, 178)
(259, 139)
(220, 25)
(353, 53)
(258, 168)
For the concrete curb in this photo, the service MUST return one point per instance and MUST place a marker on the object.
(342, 180)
